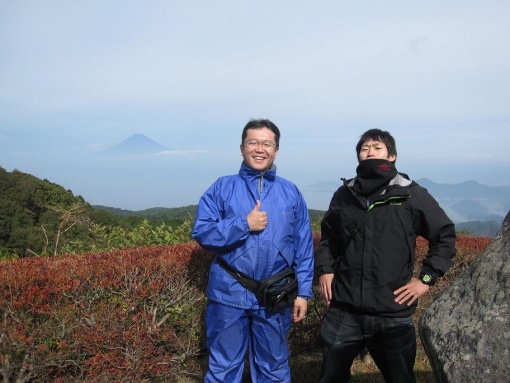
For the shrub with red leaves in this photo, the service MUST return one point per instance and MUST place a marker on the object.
(133, 315)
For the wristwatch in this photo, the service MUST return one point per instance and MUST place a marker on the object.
(427, 279)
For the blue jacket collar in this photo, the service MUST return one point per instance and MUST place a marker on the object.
(247, 172)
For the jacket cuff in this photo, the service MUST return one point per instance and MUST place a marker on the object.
(321, 270)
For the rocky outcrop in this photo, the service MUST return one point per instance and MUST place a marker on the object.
(466, 330)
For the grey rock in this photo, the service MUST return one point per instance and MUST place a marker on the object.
(466, 330)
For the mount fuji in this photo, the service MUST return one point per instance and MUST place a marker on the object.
(137, 144)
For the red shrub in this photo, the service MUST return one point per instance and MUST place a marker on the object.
(131, 315)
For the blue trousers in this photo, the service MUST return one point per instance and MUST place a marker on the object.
(390, 341)
(231, 332)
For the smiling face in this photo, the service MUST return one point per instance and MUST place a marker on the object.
(375, 150)
(259, 149)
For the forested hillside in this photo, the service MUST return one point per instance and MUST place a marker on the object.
(38, 217)
(159, 214)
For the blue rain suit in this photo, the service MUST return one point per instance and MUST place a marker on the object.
(235, 320)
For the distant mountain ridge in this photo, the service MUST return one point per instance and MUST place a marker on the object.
(170, 213)
(468, 190)
(136, 144)
(470, 200)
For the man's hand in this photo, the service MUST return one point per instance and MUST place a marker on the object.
(411, 291)
(299, 309)
(326, 281)
(257, 220)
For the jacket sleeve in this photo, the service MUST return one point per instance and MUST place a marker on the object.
(329, 244)
(214, 232)
(303, 247)
(435, 226)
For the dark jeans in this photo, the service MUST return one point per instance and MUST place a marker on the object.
(390, 341)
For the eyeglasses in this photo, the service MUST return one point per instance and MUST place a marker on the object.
(252, 144)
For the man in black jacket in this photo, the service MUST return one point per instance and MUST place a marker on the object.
(366, 263)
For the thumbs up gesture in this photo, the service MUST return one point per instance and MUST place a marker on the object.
(257, 219)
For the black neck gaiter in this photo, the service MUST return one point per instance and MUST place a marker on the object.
(372, 176)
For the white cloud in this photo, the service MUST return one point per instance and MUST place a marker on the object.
(182, 152)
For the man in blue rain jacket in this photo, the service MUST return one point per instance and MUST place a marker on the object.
(258, 224)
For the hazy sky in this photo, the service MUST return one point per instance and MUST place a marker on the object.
(77, 77)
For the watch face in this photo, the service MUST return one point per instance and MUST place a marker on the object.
(426, 278)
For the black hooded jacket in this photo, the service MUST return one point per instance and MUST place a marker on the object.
(370, 247)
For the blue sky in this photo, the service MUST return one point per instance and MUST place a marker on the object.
(78, 77)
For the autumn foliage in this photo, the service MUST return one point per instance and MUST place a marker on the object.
(131, 315)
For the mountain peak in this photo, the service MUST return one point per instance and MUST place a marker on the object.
(137, 144)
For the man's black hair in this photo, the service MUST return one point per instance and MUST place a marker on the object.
(378, 135)
(259, 124)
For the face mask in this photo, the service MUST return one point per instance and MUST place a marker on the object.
(372, 175)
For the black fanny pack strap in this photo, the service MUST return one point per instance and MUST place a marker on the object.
(249, 283)
(275, 293)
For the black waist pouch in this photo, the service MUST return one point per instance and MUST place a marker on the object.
(275, 293)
